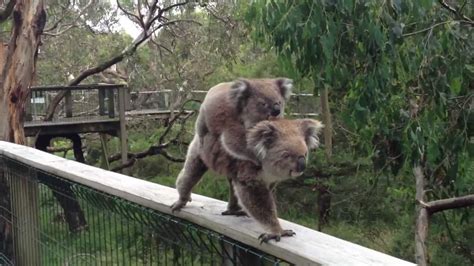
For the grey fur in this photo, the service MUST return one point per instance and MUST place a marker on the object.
(230, 108)
(252, 185)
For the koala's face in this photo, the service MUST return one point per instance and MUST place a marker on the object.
(282, 145)
(260, 99)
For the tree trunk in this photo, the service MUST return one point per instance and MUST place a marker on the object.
(324, 198)
(327, 121)
(422, 220)
(17, 68)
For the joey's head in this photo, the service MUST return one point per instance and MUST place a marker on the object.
(282, 145)
(256, 100)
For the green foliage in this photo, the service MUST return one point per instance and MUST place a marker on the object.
(400, 75)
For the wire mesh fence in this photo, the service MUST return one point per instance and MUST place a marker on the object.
(72, 224)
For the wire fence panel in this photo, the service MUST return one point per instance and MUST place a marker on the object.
(79, 225)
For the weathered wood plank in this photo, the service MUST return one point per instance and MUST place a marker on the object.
(308, 247)
(109, 126)
(76, 87)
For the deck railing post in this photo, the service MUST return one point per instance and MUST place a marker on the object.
(110, 102)
(123, 129)
(101, 101)
(24, 201)
(68, 105)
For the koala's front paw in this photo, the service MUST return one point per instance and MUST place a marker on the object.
(265, 237)
(179, 204)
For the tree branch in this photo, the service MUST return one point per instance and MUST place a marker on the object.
(454, 11)
(168, 8)
(70, 25)
(131, 16)
(153, 150)
(434, 26)
(447, 204)
(144, 35)
(159, 149)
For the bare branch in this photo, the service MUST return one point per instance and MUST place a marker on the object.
(70, 25)
(153, 150)
(144, 35)
(447, 204)
(131, 16)
(172, 121)
(454, 11)
(168, 8)
(434, 26)
(60, 32)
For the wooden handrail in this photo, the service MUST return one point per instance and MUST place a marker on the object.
(308, 247)
(76, 87)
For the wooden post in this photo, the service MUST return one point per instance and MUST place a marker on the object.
(128, 107)
(327, 121)
(68, 104)
(110, 101)
(28, 107)
(24, 200)
(123, 129)
(105, 152)
(101, 101)
(422, 219)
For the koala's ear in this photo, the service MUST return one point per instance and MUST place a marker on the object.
(285, 86)
(261, 137)
(311, 129)
(239, 93)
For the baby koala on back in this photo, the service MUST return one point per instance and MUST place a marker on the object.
(230, 108)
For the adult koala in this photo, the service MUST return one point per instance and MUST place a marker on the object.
(280, 145)
(229, 109)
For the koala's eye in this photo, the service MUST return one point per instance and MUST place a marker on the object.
(286, 155)
(263, 104)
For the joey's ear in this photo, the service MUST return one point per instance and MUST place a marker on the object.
(239, 93)
(261, 137)
(311, 129)
(285, 86)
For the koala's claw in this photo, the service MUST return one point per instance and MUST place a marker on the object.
(178, 205)
(265, 237)
(234, 212)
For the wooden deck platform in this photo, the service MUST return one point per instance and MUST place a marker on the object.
(90, 124)
(101, 124)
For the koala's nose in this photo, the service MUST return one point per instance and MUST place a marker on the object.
(300, 164)
(276, 110)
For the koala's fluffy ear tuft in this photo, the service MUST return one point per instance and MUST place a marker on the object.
(261, 137)
(311, 129)
(285, 85)
(239, 93)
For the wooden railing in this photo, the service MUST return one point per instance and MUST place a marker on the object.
(80, 102)
(307, 247)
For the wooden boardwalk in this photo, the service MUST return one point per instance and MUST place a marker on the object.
(70, 125)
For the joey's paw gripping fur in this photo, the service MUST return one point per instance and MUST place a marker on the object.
(265, 237)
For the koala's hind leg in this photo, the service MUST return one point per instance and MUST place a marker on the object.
(258, 201)
(233, 207)
(193, 170)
